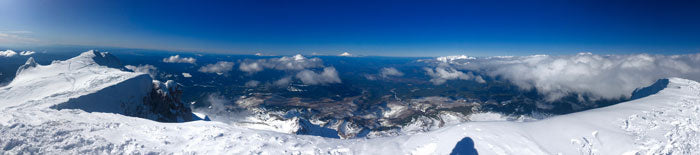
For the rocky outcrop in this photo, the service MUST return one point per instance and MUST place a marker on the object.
(164, 102)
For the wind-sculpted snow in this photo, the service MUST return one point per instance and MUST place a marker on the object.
(665, 122)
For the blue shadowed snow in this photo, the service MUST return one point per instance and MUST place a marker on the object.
(464, 147)
(650, 90)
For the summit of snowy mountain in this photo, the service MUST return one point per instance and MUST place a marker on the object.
(92, 82)
(99, 58)
(86, 104)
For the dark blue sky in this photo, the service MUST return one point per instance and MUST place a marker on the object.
(393, 28)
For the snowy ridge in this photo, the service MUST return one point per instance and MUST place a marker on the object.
(666, 122)
(44, 86)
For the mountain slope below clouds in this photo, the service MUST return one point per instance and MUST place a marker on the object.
(666, 122)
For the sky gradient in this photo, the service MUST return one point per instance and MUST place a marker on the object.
(386, 28)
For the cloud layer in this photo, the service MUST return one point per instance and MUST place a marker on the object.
(389, 71)
(148, 69)
(294, 63)
(17, 38)
(297, 62)
(252, 83)
(602, 76)
(327, 76)
(251, 67)
(220, 67)
(187, 75)
(177, 59)
(440, 75)
(283, 81)
(7, 53)
(26, 53)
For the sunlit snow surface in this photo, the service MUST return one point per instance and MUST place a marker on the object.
(667, 122)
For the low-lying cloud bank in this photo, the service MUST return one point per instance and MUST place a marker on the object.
(327, 76)
(220, 67)
(26, 53)
(251, 67)
(440, 75)
(252, 83)
(186, 75)
(148, 69)
(11, 53)
(389, 71)
(7, 53)
(177, 59)
(601, 76)
(296, 62)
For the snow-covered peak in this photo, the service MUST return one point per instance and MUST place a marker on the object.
(345, 54)
(94, 57)
(62, 80)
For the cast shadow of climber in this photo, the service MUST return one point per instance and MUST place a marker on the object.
(464, 147)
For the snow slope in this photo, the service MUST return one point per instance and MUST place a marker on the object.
(666, 122)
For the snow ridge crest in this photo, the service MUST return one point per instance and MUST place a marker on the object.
(99, 58)
(27, 65)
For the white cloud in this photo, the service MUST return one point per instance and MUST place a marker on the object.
(293, 63)
(17, 38)
(297, 62)
(602, 76)
(26, 53)
(440, 75)
(187, 75)
(283, 81)
(252, 83)
(177, 59)
(7, 53)
(220, 67)
(370, 77)
(329, 75)
(390, 71)
(148, 69)
(252, 67)
(447, 59)
(345, 54)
